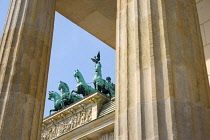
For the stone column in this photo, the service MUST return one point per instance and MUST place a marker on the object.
(162, 87)
(24, 62)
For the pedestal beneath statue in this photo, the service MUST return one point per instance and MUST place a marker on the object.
(78, 116)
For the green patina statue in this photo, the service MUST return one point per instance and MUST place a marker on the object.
(82, 87)
(58, 103)
(110, 87)
(100, 84)
(67, 97)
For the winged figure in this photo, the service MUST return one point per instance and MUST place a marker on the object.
(96, 59)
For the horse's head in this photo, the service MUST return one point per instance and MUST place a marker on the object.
(63, 87)
(77, 73)
(78, 76)
(54, 95)
(60, 84)
(51, 95)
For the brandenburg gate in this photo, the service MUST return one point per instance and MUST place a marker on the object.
(162, 89)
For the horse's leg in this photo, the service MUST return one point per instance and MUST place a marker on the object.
(87, 90)
(70, 96)
(52, 110)
(63, 104)
(75, 91)
(94, 84)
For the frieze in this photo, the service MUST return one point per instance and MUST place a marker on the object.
(67, 125)
(74, 116)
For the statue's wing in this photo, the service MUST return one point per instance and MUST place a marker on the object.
(98, 56)
(93, 60)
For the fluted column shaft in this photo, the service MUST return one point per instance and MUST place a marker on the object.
(24, 62)
(162, 87)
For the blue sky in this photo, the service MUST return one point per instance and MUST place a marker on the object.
(72, 49)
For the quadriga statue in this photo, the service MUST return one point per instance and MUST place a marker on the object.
(82, 87)
(104, 86)
(66, 99)
(58, 103)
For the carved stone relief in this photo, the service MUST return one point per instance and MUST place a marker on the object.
(67, 125)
